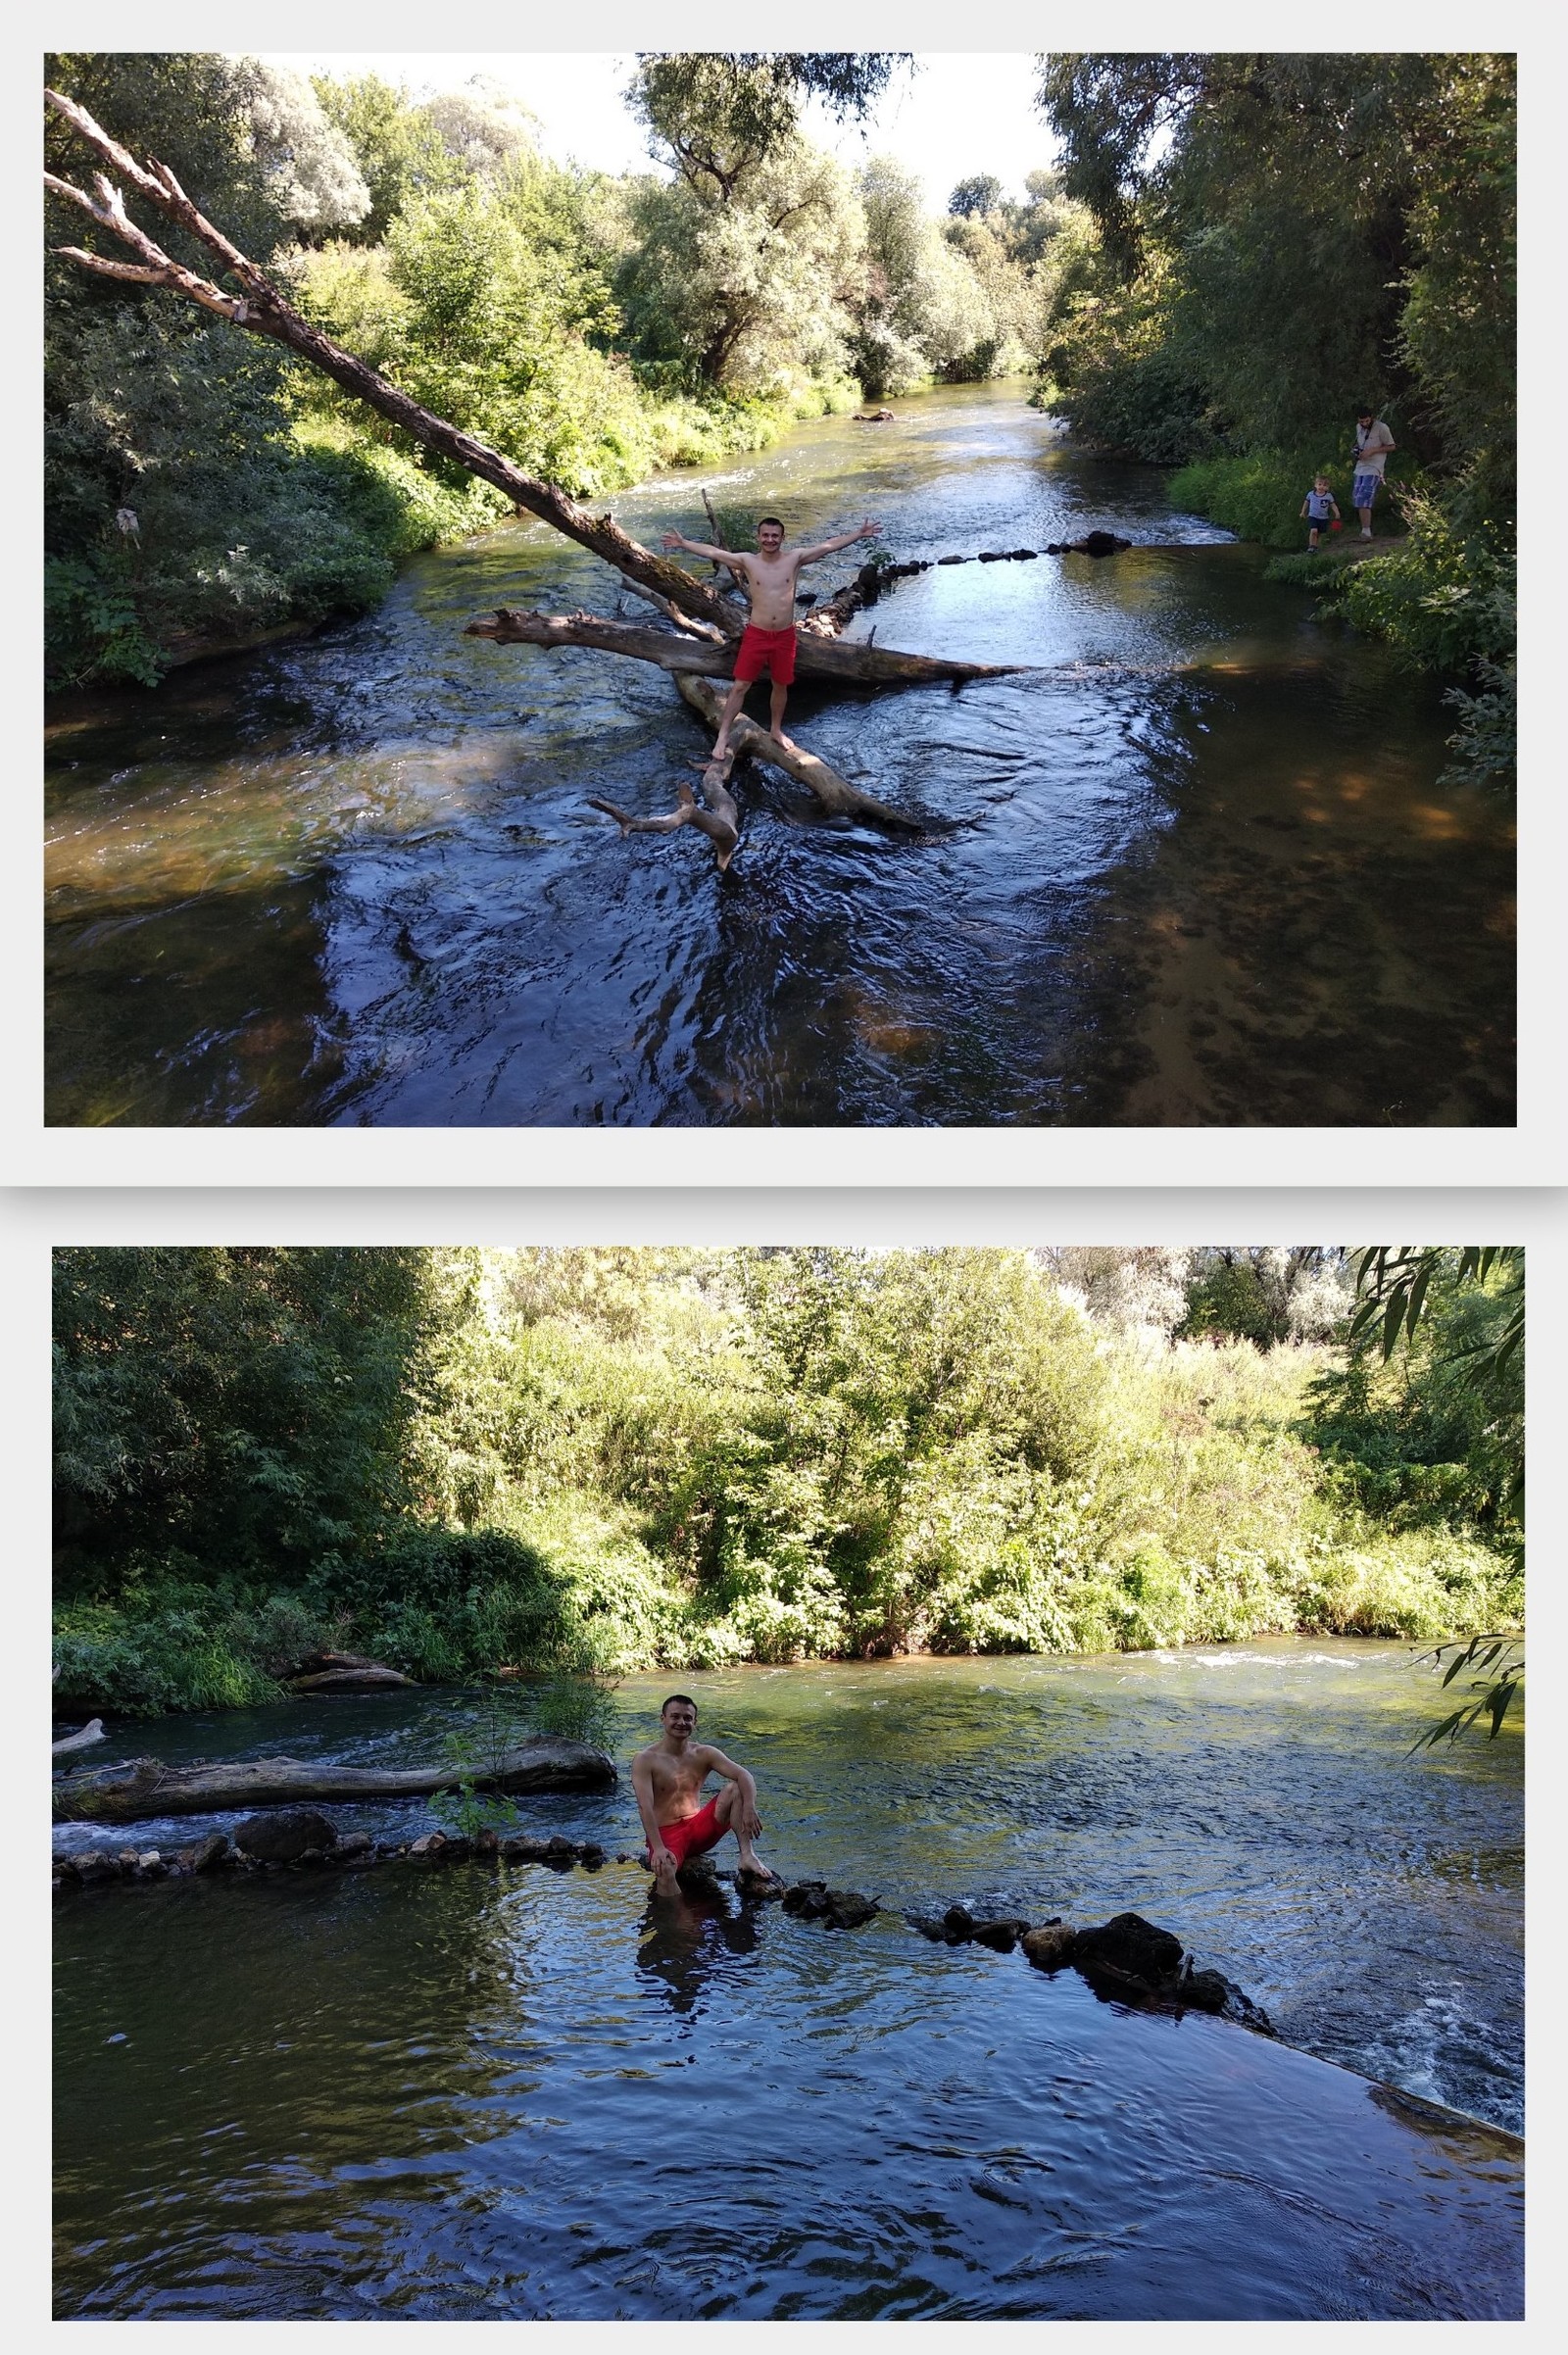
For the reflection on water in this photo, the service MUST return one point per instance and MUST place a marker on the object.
(529, 2093)
(1194, 867)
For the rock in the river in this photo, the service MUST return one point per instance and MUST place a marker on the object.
(1212, 1991)
(207, 1854)
(1098, 543)
(1127, 1947)
(839, 1908)
(1002, 1934)
(1050, 1946)
(282, 1834)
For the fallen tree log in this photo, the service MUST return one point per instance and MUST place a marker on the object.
(815, 658)
(834, 792)
(261, 309)
(126, 1795)
(91, 1731)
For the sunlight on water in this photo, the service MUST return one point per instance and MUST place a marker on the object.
(376, 846)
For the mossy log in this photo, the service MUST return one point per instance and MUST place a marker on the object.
(126, 1795)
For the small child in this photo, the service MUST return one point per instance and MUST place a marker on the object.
(1318, 507)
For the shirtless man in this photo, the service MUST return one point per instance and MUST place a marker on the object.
(767, 642)
(668, 1779)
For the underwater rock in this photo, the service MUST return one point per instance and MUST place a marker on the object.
(282, 1834)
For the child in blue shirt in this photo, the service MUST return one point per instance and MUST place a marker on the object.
(1319, 507)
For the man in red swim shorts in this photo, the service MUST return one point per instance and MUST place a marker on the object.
(767, 642)
(667, 1778)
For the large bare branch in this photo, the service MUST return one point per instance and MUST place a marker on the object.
(834, 792)
(262, 310)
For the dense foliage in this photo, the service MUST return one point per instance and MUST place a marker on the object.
(593, 328)
(1276, 240)
(465, 1461)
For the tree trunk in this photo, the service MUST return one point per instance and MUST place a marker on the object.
(125, 1794)
(262, 310)
(825, 658)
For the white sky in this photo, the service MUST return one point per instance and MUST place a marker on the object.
(959, 115)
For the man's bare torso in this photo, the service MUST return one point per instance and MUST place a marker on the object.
(677, 1783)
(770, 586)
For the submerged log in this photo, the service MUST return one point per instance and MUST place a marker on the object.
(125, 1794)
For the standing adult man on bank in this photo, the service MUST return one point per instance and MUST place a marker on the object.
(767, 642)
(669, 1777)
(1374, 444)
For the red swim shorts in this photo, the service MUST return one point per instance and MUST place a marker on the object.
(769, 650)
(694, 1834)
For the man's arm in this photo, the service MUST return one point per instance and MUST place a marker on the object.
(845, 539)
(714, 1762)
(733, 557)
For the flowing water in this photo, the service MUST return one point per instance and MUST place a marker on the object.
(1194, 868)
(520, 2093)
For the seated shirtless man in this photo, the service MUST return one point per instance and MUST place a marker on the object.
(767, 642)
(668, 1778)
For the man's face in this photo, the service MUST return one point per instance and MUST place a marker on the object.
(769, 539)
(680, 1720)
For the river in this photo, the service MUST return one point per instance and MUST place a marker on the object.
(439, 2095)
(1197, 867)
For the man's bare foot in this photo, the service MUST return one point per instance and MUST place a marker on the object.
(788, 742)
(751, 1868)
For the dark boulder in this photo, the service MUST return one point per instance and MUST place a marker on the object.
(1099, 543)
(953, 559)
(206, 1856)
(1002, 1934)
(282, 1834)
(1212, 1991)
(592, 1857)
(839, 1908)
(1128, 1953)
(1023, 556)
(98, 1866)
(957, 1925)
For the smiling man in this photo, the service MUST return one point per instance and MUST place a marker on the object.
(767, 642)
(669, 1777)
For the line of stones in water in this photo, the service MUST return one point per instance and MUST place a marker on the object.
(1126, 1958)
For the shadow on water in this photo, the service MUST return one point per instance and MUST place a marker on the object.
(1196, 866)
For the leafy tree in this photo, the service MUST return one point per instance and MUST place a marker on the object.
(744, 281)
(923, 309)
(243, 1406)
(397, 145)
(981, 194)
(1476, 1298)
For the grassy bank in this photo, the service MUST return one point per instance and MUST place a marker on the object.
(759, 1457)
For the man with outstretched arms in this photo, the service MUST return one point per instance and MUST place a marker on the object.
(669, 1777)
(767, 642)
